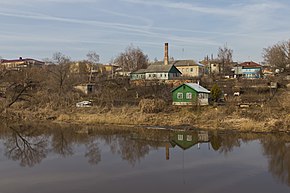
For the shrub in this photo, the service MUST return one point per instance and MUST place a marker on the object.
(216, 92)
(152, 105)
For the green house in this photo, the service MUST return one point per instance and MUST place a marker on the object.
(190, 94)
(156, 72)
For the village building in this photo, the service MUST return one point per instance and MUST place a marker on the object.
(84, 67)
(249, 70)
(87, 88)
(20, 63)
(158, 70)
(190, 94)
(189, 68)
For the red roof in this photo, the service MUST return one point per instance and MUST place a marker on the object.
(20, 60)
(250, 64)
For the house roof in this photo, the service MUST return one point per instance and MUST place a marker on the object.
(140, 71)
(250, 64)
(180, 63)
(186, 63)
(198, 88)
(159, 68)
(155, 68)
(20, 60)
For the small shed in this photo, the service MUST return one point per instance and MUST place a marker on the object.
(88, 88)
(190, 94)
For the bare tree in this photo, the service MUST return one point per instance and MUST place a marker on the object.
(93, 57)
(278, 55)
(60, 70)
(225, 58)
(18, 86)
(132, 59)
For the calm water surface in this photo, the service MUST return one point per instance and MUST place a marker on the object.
(67, 159)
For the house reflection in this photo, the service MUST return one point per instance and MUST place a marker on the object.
(182, 139)
(187, 139)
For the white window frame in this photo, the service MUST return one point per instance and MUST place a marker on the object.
(179, 95)
(188, 95)
(180, 137)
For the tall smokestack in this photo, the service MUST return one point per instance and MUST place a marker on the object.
(166, 58)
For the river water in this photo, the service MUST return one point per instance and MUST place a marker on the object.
(103, 159)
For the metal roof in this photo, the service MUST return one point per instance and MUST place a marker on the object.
(197, 87)
(153, 68)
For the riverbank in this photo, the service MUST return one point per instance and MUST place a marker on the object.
(256, 119)
(208, 118)
(273, 116)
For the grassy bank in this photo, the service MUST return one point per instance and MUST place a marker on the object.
(210, 118)
(271, 115)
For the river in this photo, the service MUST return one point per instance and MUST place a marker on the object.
(105, 159)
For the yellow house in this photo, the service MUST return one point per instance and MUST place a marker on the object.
(189, 68)
(84, 67)
(110, 68)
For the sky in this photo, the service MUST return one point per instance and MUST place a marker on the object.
(193, 28)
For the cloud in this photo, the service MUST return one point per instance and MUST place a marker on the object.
(17, 2)
(185, 6)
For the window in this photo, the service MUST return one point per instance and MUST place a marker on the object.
(179, 95)
(202, 95)
(154, 75)
(150, 75)
(188, 95)
(164, 75)
(180, 137)
(191, 69)
(189, 138)
(90, 88)
(160, 75)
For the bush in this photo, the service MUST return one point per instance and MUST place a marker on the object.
(216, 92)
(152, 105)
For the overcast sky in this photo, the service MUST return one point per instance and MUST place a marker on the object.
(193, 28)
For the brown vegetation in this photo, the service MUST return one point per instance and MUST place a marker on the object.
(47, 94)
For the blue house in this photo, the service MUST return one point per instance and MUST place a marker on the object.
(249, 70)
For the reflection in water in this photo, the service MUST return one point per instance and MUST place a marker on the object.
(62, 142)
(93, 152)
(277, 149)
(30, 145)
(25, 145)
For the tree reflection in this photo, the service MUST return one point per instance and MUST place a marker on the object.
(93, 152)
(61, 143)
(277, 149)
(132, 150)
(22, 144)
(228, 143)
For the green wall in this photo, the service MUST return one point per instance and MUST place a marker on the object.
(184, 89)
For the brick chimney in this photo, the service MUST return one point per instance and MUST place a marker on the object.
(166, 58)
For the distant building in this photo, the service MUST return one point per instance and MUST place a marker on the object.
(248, 70)
(189, 68)
(20, 63)
(110, 68)
(156, 72)
(84, 67)
(88, 88)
